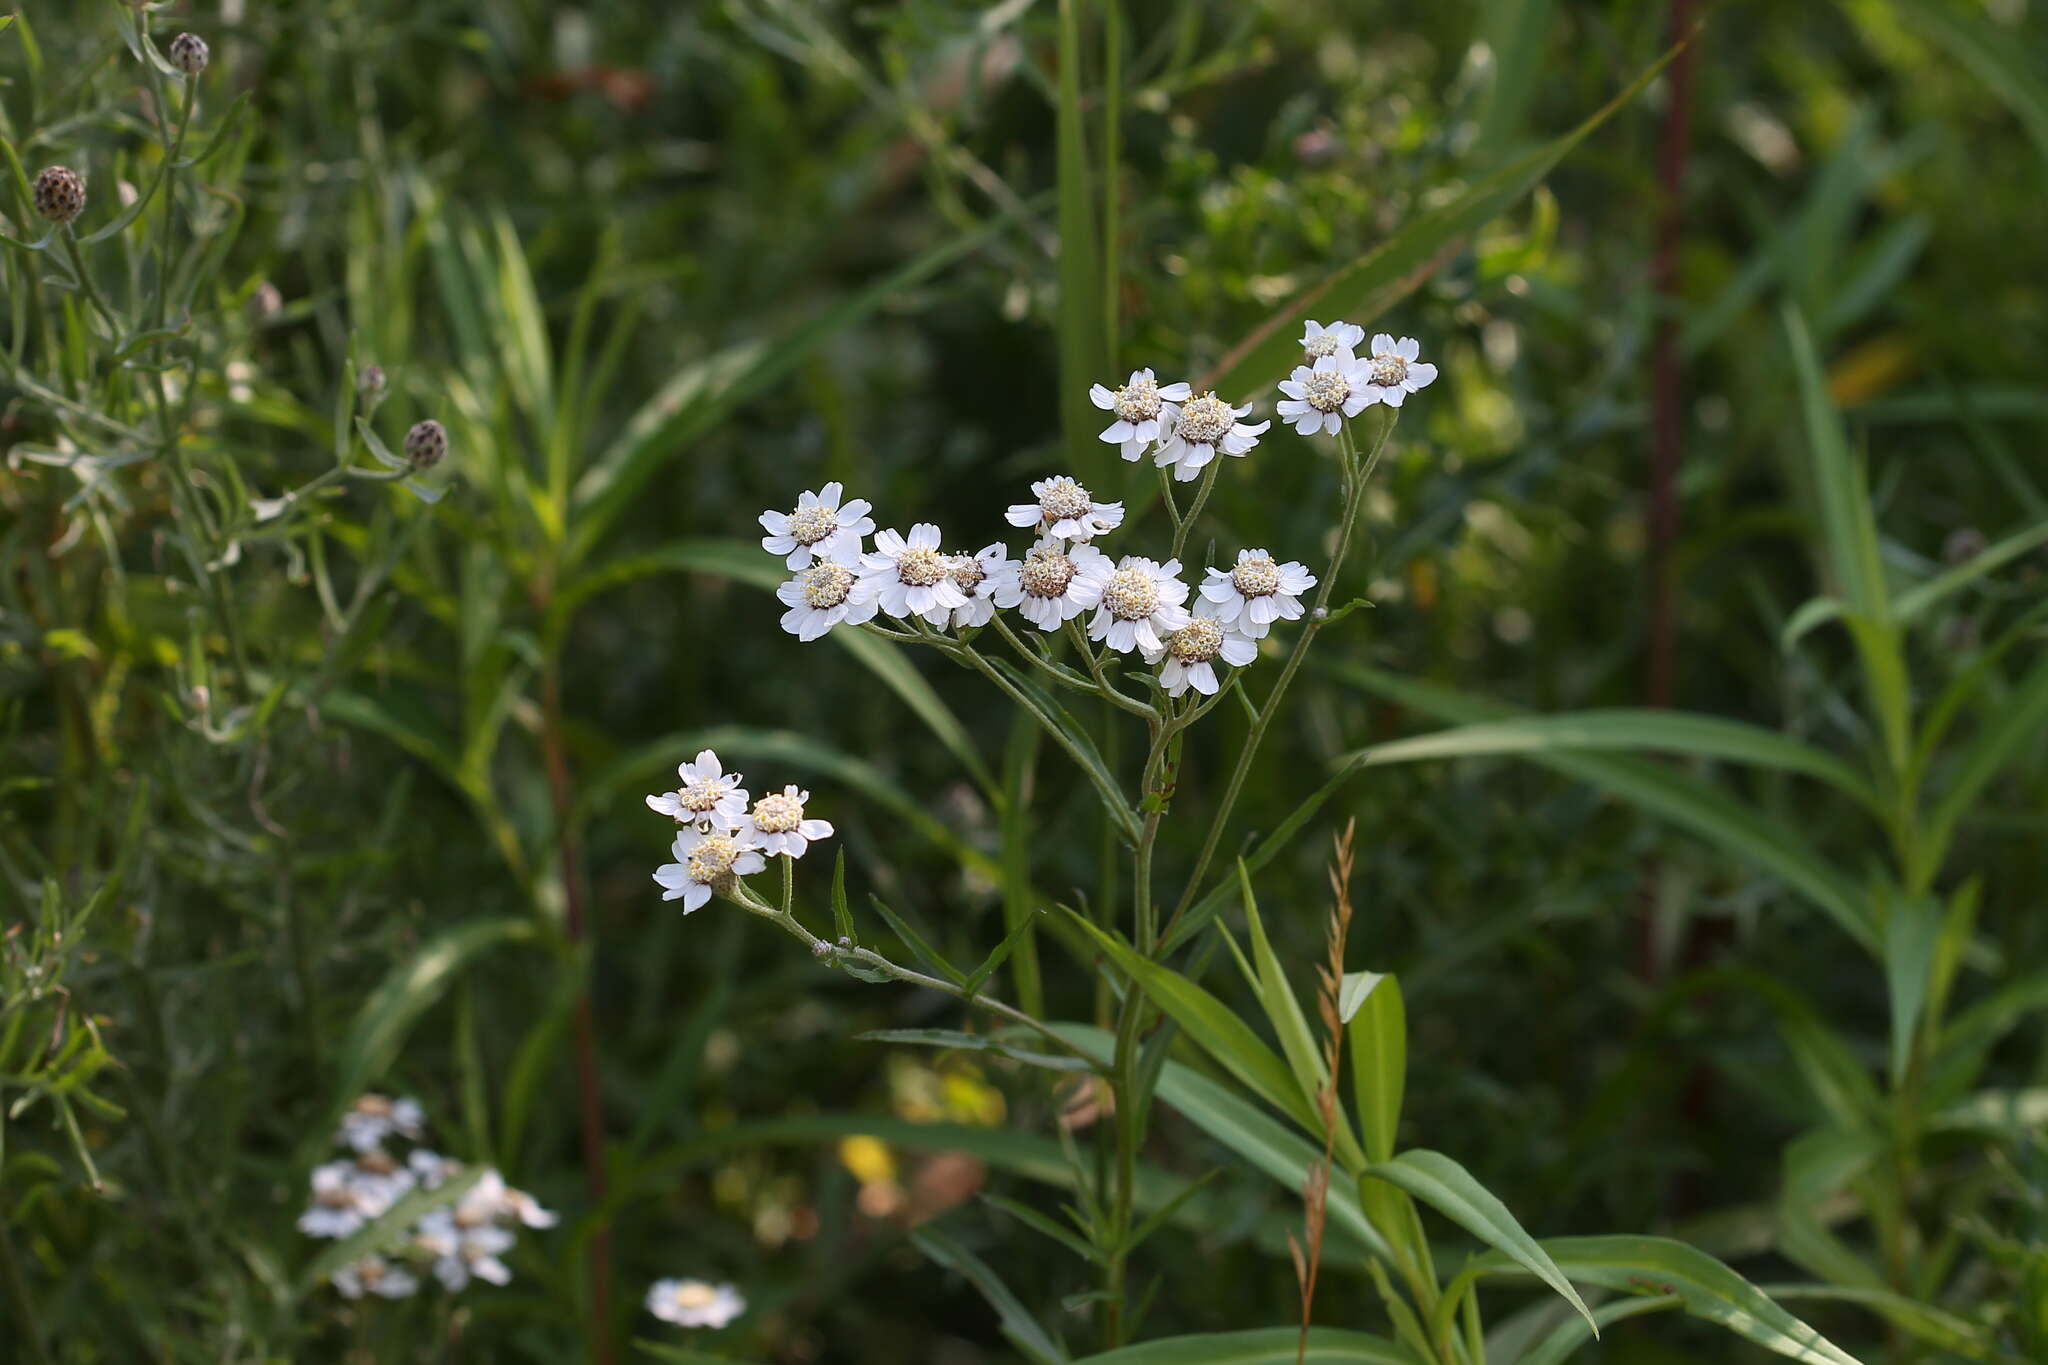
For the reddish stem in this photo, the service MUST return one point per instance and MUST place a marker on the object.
(555, 755)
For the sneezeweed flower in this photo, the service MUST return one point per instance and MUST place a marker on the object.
(778, 826)
(1143, 411)
(1140, 603)
(1393, 372)
(694, 1303)
(976, 574)
(461, 1251)
(188, 53)
(706, 861)
(909, 575)
(59, 194)
(1255, 592)
(1053, 583)
(1318, 341)
(1190, 655)
(342, 1201)
(373, 1118)
(825, 594)
(1320, 398)
(707, 795)
(426, 444)
(1207, 424)
(822, 526)
(1065, 511)
(375, 1275)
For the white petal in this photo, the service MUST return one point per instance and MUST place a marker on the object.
(775, 523)
(1102, 397)
(1382, 343)
(1023, 514)
(1420, 375)
(1407, 348)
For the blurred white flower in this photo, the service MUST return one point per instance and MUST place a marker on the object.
(375, 1275)
(1143, 410)
(1052, 583)
(908, 574)
(820, 527)
(1255, 592)
(1320, 398)
(373, 1118)
(693, 1303)
(463, 1250)
(778, 825)
(1190, 654)
(704, 861)
(1318, 341)
(708, 795)
(1207, 424)
(976, 575)
(1393, 372)
(822, 596)
(1065, 511)
(1140, 602)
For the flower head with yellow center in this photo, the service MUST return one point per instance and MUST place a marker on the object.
(1207, 425)
(1188, 656)
(706, 861)
(823, 525)
(708, 796)
(1139, 603)
(778, 825)
(908, 575)
(821, 596)
(695, 1303)
(1339, 338)
(1393, 370)
(1320, 396)
(1064, 510)
(1053, 583)
(977, 574)
(1144, 409)
(1256, 591)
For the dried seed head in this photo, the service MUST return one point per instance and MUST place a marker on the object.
(188, 53)
(426, 444)
(59, 194)
(370, 383)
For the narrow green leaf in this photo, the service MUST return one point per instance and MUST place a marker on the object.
(391, 1228)
(1365, 288)
(1943, 1331)
(1658, 1267)
(1377, 1038)
(1290, 1025)
(1846, 526)
(1912, 932)
(1081, 746)
(1913, 603)
(1080, 305)
(842, 913)
(1564, 1340)
(924, 952)
(978, 978)
(1263, 1346)
(1211, 1024)
(1449, 1188)
(1019, 1327)
(1816, 1166)
(2014, 733)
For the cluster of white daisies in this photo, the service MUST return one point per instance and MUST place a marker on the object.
(1134, 603)
(719, 838)
(457, 1242)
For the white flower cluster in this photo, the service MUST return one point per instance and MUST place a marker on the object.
(720, 838)
(457, 1242)
(1134, 603)
(694, 1303)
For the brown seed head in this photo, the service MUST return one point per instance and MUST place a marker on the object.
(59, 194)
(426, 444)
(188, 53)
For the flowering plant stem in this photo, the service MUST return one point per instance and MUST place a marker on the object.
(1356, 482)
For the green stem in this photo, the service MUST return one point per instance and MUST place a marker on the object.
(1353, 505)
(1187, 523)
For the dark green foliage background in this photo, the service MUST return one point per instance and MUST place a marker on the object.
(729, 173)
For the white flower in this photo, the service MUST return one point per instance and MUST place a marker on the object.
(1255, 592)
(462, 1249)
(704, 861)
(1319, 399)
(778, 824)
(1318, 341)
(908, 575)
(374, 1275)
(1052, 583)
(821, 527)
(1206, 425)
(373, 1118)
(1140, 602)
(1191, 652)
(822, 596)
(693, 1303)
(1394, 372)
(976, 575)
(337, 1207)
(708, 795)
(1143, 410)
(1064, 511)
(431, 1169)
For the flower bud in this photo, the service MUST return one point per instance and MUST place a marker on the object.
(426, 444)
(266, 303)
(188, 53)
(59, 194)
(370, 383)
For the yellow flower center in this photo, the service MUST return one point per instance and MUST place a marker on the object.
(1321, 345)
(1327, 390)
(809, 525)
(919, 567)
(1255, 578)
(1389, 370)
(1046, 573)
(695, 1294)
(1064, 498)
(1137, 402)
(1206, 420)
(1132, 594)
(826, 585)
(1196, 642)
(778, 814)
(711, 860)
(967, 573)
